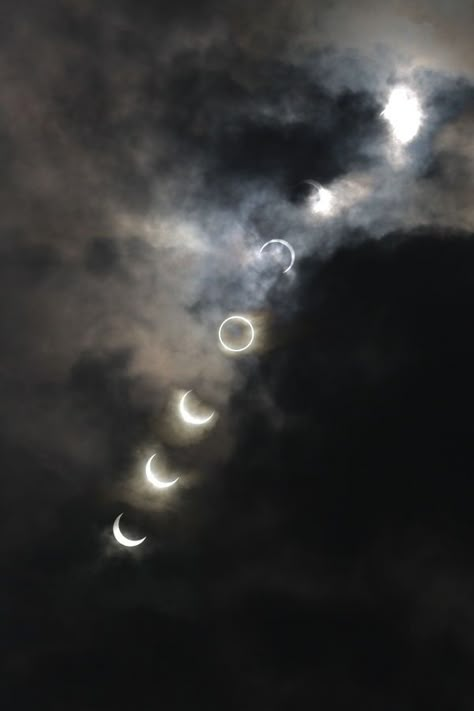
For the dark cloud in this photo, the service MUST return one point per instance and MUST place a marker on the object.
(327, 560)
(340, 524)
(316, 550)
(102, 256)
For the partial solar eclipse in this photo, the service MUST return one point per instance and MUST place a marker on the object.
(154, 480)
(320, 200)
(123, 540)
(188, 417)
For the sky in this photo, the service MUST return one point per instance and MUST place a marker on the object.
(317, 548)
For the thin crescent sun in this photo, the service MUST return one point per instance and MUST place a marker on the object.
(188, 417)
(249, 326)
(153, 479)
(285, 244)
(123, 540)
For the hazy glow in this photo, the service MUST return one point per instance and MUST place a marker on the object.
(153, 479)
(188, 417)
(403, 113)
(285, 244)
(244, 320)
(321, 200)
(123, 540)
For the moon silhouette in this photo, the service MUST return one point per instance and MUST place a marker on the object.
(188, 417)
(285, 244)
(123, 540)
(153, 479)
(247, 323)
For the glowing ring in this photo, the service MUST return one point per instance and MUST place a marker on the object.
(247, 323)
(285, 244)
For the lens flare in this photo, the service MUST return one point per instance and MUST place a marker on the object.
(123, 540)
(403, 112)
(239, 319)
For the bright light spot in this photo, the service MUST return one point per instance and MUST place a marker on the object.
(320, 200)
(403, 112)
(188, 417)
(153, 478)
(241, 320)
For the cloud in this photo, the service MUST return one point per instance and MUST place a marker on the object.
(145, 162)
(147, 153)
(152, 150)
(342, 521)
(331, 547)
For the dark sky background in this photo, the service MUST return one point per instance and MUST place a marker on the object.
(318, 549)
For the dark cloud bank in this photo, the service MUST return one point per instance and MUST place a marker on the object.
(328, 560)
(317, 551)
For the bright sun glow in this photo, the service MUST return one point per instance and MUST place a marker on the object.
(189, 418)
(249, 327)
(153, 478)
(403, 112)
(320, 200)
(123, 540)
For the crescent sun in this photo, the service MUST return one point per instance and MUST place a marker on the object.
(123, 540)
(285, 244)
(188, 417)
(153, 479)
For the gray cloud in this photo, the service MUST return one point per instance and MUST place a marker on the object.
(148, 149)
(147, 153)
